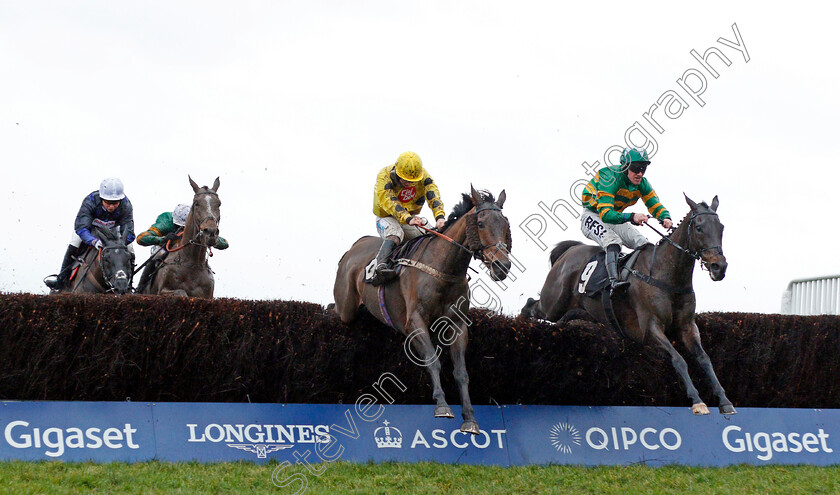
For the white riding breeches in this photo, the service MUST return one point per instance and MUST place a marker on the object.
(606, 234)
(390, 226)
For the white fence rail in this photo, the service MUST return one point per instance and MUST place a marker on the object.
(812, 296)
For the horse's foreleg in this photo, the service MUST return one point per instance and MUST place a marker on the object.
(691, 339)
(656, 333)
(418, 335)
(457, 350)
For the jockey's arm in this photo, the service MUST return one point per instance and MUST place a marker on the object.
(126, 221)
(156, 234)
(433, 198)
(607, 211)
(84, 220)
(651, 200)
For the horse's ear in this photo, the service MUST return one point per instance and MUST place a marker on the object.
(124, 236)
(476, 197)
(215, 187)
(691, 203)
(501, 201)
(193, 184)
(715, 203)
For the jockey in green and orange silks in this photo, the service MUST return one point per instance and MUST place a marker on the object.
(605, 198)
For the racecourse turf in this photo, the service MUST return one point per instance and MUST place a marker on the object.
(423, 478)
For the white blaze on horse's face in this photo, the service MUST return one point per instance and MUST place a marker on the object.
(206, 207)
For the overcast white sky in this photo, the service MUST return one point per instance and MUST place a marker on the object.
(297, 105)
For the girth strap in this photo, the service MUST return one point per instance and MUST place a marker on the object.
(662, 285)
(606, 300)
(445, 277)
(382, 307)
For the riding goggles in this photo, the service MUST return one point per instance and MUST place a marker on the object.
(638, 168)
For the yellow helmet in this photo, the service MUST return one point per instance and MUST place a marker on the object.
(409, 167)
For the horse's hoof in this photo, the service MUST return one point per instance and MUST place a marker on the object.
(699, 409)
(443, 412)
(727, 409)
(470, 426)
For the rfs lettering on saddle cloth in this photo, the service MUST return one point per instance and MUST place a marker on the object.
(407, 194)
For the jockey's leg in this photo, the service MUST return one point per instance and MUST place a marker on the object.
(391, 231)
(613, 250)
(383, 271)
(148, 270)
(59, 282)
(608, 237)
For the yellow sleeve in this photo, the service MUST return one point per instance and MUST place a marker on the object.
(385, 193)
(433, 197)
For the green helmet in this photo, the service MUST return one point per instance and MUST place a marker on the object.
(634, 155)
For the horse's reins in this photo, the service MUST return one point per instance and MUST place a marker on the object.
(697, 255)
(110, 287)
(445, 237)
(478, 253)
(102, 268)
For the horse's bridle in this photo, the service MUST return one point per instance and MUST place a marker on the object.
(694, 253)
(478, 253)
(120, 273)
(199, 222)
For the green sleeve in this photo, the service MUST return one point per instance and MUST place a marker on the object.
(221, 243)
(654, 206)
(154, 235)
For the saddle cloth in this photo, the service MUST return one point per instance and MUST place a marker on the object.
(594, 278)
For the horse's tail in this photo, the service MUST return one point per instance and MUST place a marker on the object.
(561, 248)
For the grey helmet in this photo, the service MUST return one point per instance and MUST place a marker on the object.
(111, 189)
(180, 214)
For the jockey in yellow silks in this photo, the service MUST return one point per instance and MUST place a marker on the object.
(401, 191)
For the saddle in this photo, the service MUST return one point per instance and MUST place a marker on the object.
(594, 279)
(398, 259)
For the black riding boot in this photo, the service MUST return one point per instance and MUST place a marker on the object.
(60, 281)
(613, 250)
(146, 276)
(382, 273)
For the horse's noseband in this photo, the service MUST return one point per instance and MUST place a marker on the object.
(698, 254)
(119, 275)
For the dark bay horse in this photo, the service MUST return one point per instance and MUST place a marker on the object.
(106, 270)
(185, 271)
(432, 292)
(648, 310)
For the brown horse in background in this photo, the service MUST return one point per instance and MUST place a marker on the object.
(432, 291)
(185, 271)
(660, 298)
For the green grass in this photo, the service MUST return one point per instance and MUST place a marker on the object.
(423, 478)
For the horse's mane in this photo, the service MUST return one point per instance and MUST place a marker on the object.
(109, 234)
(677, 225)
(466, 205)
